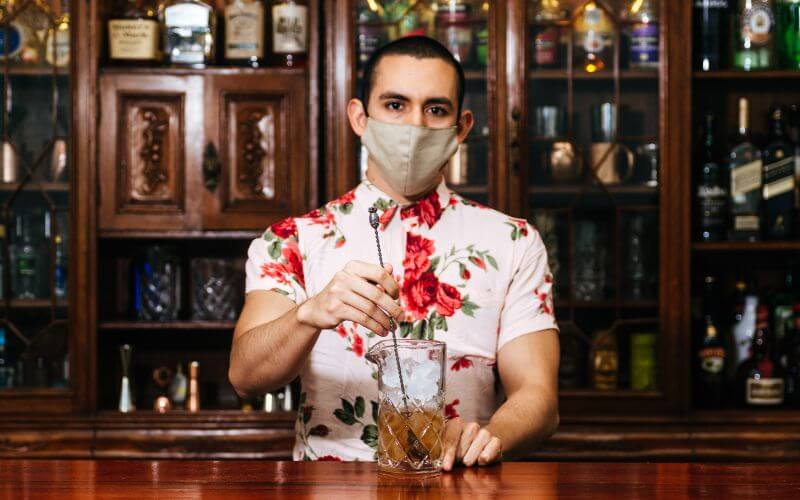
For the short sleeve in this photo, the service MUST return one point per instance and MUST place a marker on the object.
(528, 305)
(274, 262)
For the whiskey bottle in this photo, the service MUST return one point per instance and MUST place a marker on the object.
(711, 357)
(133, 33)
(643, 36)
(787, 20)
(779, 181)
(753, 38)
(189, 32)
(593, 38)
(193, 400)
(712, 197)
(710, 29)
(289, 33)
(791, 362)
(547, 43)
(244, 32)
(745, 170)
(757, 375)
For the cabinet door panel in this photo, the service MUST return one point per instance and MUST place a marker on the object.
(143, 151)
(261, 148)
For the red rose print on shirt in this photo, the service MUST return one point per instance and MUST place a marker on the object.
(428, 210)
(478, 262)
(294, 261)
(459, 363)
(417, 259)
(284, 228)
(419, 294)
(329, 458)
(387, 216)
(357, 344)
(450, 410)
(346, 198)
(448, 299)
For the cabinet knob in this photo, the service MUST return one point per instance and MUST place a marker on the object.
(211, 167)
(514, 150)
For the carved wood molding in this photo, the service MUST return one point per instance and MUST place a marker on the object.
(154, 173)
(254, 126)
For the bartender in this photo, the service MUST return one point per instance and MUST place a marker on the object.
(454, 270)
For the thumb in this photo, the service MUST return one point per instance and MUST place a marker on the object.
(388, 268)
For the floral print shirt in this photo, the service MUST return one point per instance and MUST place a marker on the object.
(469, 275)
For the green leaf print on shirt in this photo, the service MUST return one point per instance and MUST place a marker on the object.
(352, 413)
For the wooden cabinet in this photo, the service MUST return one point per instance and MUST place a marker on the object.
(201, 150)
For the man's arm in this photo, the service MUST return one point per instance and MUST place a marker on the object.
(274, 337)
(528, 367)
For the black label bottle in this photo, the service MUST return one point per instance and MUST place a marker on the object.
(745, 167)
(779, 188)
(710, 30)
(757, 377)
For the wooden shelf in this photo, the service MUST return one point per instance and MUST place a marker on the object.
(607, 304)
(469, 74)
(178, 417)
(51, 187)
(746, 75)
(167, 325)
(613, 394)
(209, 70)
(747, 246)
(561, 74)
(32, 303)
(20, 70)
(572, 189)
(476, 189)
(753, 416)
(181, 235)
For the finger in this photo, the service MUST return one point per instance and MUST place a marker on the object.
(368, 307)
(482, 438)
(350, 313)
(452, 432)
(467, 435)
(373, 294)
(491, 452)
(375, 274)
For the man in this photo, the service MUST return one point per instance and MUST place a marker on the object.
(454, 270)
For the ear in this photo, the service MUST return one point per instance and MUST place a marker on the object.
(357, 116)
(464, 125)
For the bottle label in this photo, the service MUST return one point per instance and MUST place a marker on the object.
(757, 24)
(133, 39)
(711, 4)
(778, 178)
(713, 200)
(746, 178)
(289, 28)
(764, 391)
(712, 359)
(644, 43)
(545, 50)
(12, 40)
(187, 15)
(746, 223)
(244, 31)
(26, 265)
(57, 52)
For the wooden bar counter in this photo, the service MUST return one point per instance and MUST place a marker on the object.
(169, 479)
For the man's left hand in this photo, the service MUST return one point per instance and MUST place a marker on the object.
(470, 444)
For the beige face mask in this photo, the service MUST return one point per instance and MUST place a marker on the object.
(408, 157)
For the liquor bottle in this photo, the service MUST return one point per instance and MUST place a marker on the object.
(794, 137)
(753, 35)
(289, 33)
(57, 40)
(745, 167)
(244, 32)
(643, 34)
(710, 29)
(593, 38)
(743, 323)
(177, 389)
(25, 260)
(779, 182)
(712, 197)
(6, 378)
(787, 20)
(791, 362)
(547, 42)
(133, 33)
(190, 31)
(782, 304)
(60, 270)
(711, 356)
(757, 375)
(193, 401)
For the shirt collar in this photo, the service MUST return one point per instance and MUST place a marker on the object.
(370, 195)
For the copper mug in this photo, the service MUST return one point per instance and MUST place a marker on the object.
(563, 163)
(608, 159)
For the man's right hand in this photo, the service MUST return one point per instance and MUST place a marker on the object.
(362, 293)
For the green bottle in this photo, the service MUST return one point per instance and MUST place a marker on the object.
(787, 14)
(753, 35)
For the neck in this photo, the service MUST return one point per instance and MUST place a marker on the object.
(375, 178)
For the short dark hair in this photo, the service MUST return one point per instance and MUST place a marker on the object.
(419, 47)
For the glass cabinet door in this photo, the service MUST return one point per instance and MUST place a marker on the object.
(34, 193)
(462, 26)
(593, 184)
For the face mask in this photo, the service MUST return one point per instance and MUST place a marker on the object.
(408, 157)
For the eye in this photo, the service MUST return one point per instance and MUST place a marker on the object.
(437, 110)
(394, 105)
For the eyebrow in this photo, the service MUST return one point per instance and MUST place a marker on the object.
(400, 97)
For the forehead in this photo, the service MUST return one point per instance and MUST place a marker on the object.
(415, 78)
